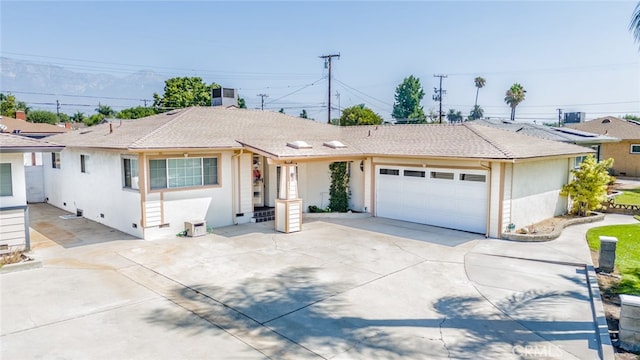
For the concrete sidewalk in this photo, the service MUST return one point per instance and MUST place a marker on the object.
(340, 289)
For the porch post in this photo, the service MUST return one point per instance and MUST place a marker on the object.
(288, 205)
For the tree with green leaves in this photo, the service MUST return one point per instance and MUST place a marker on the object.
(634, 25)
(78, 117)
(631, 117)
(588, 188)
(105, 110)
(94, 119)
(136, 112)
(476, 113)
(339, 188)
(359, 115)
(242, 104)
(514, 96)
(454, 116)
(407, 106)
(480, 83)
(182, 92)
(9, 104)
(303, 114)
(42, 116)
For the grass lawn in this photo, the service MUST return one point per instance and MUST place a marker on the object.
(629, 197)
(627, 253)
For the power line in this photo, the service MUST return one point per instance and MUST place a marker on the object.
(295, 91)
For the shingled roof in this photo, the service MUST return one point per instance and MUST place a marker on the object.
(563, 134)
(270, 132)
(15, 143)
(611, 126)
(29, 128)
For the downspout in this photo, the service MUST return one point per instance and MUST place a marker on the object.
(488, 222)
(234, 191)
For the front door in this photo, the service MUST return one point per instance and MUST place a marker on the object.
(258, 181)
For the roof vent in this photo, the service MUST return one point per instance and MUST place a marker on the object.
(606, 121)
(299, 144)
(334, 144)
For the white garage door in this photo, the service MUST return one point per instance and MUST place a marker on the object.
(451, 198)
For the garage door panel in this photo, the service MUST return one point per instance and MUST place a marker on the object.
(449, 198)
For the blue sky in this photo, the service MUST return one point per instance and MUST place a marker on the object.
(574, 55)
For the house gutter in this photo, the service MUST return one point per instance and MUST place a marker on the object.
(234, 192)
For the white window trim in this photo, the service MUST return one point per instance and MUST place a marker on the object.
(135, 180)
(202, 185)
(56, 164)
(631, 149)
(10, 179)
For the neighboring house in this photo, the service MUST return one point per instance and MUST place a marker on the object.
(24, 128)
(562, 134)
(148, 176)
(626, 153)
(14, 215)
(33, 160)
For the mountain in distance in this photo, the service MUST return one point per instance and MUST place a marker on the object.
(41, 84)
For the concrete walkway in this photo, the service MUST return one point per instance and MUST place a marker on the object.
(340, 289)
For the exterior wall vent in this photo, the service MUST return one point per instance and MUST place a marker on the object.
(334, 144)
(299, 144)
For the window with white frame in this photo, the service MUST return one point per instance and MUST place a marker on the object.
(84, 162)
(635, 148)
(130, 173)
(55, 160)
(578, 160)
(6, 183)
(183, 172)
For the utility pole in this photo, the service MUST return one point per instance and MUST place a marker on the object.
(145, 102)
(559, 117)
(262, 96)
(327, 65)
(58, 109)
(438, 94)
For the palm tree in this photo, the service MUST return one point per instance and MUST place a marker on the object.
(514, 96)
(480, 82)
(476, 113)
(634, 26)
(454, 116)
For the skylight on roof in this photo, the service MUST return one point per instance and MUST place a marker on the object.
(299, 144)
(334, 144)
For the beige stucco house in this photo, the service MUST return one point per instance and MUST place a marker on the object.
(149, 176)
(626, 153)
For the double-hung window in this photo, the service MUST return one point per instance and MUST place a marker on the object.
(130, 173)
(183, 172)
(55, 160)
(6, 183)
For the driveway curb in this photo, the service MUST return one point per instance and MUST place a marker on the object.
(25, 265)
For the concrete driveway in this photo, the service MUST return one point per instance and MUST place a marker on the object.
(340, 289)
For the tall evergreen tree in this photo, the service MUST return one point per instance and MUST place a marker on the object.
(408, 96)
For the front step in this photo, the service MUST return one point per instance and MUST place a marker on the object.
(264, 215)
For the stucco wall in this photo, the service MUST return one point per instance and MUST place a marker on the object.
(534, 194)
(99, 192)
(17, 180)
(213, 204)
(356, 186)
(624, 161)
(314, 179)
